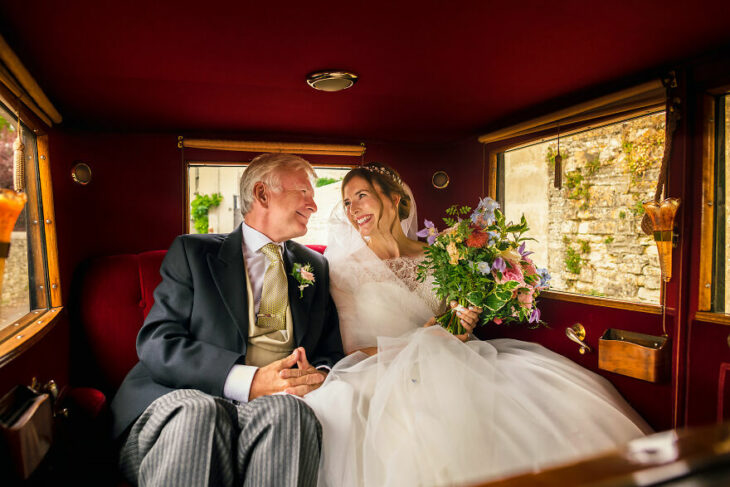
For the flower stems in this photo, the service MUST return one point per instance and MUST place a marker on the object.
(451, 321)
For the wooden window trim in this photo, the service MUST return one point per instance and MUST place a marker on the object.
(633, 99)
(51, 243)
(24, 87)
(26, 331)
(707, 218)
(654, 309)
(718, 318)
(261, 146)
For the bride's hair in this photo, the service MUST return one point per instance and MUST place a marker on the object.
(387, 179)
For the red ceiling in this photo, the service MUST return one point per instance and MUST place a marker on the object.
(430, 70)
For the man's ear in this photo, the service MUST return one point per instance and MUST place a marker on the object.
(261, 194)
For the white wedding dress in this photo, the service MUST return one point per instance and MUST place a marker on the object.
(428, 409)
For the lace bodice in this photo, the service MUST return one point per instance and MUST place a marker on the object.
(379, 298)
(406, 269)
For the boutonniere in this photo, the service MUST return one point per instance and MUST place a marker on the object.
(304, 275)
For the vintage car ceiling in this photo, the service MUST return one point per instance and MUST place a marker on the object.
(430, 70)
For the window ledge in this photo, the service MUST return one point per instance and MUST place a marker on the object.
(605, 302)
(719, 318)
(26, 331)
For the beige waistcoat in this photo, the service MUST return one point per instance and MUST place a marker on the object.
(264, 345)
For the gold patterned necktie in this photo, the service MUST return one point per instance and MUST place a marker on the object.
(274, 295)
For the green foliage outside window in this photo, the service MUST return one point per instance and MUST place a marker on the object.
(200, 206)
(325, 181)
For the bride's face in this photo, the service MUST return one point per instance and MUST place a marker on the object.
(363, 205)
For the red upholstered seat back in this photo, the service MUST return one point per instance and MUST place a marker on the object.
(115, 297)
(116, 293)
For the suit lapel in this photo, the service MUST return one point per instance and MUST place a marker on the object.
(227, 271)
(299, 306)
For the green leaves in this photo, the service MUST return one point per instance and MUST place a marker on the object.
(200, 206)
(457, 212)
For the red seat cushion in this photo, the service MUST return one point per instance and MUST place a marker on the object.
(317, 248)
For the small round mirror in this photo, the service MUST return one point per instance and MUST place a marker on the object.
(440, 179)
(81, 173)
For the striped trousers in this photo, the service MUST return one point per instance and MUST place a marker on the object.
(189, 438)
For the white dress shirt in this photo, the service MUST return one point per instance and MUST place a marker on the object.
(240, 377)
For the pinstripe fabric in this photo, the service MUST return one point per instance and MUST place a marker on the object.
(189, 438)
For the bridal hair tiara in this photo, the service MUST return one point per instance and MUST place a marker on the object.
(375, 167)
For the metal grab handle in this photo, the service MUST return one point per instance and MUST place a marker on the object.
(577, 334)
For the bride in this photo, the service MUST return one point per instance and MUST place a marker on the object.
(412, 404)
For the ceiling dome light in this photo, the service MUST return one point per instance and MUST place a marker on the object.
(331, 80)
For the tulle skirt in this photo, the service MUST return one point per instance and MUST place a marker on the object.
(431, 410)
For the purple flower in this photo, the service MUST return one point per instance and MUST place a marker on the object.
(524, 253)
(534, 316)
(483, 216)
(499, 264)
(492, 238)
(430, 232)
(487, 204)
(544, 277)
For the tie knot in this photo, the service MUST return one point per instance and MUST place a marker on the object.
(271, 251)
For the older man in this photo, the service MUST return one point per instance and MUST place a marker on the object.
(228, 334)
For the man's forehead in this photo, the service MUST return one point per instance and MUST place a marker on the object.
(294, 178)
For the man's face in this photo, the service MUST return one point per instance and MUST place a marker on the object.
(290, 208)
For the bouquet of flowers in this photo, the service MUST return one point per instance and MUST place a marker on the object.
(482, 261)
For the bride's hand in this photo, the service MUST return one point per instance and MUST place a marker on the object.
(469, 318)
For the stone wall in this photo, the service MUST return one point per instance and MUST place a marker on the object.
(15, 301)
(590, 236)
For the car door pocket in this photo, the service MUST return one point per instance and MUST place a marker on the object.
(645, 357)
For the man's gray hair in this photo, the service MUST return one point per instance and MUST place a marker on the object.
(266, 168)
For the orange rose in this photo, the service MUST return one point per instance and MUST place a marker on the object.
(477, 239)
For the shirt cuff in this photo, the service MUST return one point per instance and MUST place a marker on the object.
(238, 382)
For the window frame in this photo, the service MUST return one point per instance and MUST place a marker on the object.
(494, 148)
(22, 333)
(708, 265)
(187, 165)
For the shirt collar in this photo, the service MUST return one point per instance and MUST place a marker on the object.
(254, 240)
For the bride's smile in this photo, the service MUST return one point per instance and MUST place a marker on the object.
(361, 206)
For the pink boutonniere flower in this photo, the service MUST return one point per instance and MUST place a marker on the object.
(304, 275)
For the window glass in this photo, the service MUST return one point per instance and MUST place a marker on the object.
(588, 232)
(215, 188)
(24, 281)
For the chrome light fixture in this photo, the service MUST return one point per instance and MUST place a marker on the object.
(331, 80)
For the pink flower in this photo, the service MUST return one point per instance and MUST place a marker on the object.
(524, 296)
(497, 321)
(529, 269)
(511, 273)
(306, 275)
